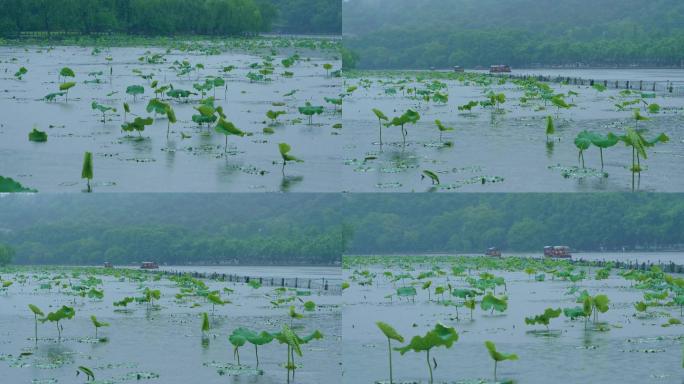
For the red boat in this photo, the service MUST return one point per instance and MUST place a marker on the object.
(557, 252)
(149, 265)
(500, 69)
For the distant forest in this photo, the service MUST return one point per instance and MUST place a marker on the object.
(270, 229)
(170, 17)
(252, 229)
(443, 33)
(514, 222)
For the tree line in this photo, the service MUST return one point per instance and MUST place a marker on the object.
(522, 33)
(271, 229)
(166, 17)
(514, 222)
(188, 228)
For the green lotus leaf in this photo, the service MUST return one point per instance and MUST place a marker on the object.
(390, 332)
(37, 136)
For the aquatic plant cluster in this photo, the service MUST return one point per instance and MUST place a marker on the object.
(459, 108)
(191, 96)
(120, 294)
(442, 294)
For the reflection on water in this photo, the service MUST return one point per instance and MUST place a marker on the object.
(288, 182)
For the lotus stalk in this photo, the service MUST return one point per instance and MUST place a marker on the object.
(391, 334)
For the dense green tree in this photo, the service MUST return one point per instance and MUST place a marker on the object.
(471, 223)
(227, 228)
(169, 17)
(444, 33)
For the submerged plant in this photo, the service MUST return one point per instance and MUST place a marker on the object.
(288, 337)
(127, 109)
(582, 142)
(493, 303)
(550, 127)
(135, 90)
(285, 149)
(381, 117)
(37, 136)
(124, 302)
(391, 334)
(20, 73)
(87, 170)
(65, 87)
(97, 324)
(594, 304)
(310, 110)
(170, 117)
(544, 318)
(150, 295)
(227, 128)
(439, 336)
(638, 117)
(86, 371)
(205, 324)
(634, 138)
(409, 117)
(238, 339)
(102, 108)
(442, 128)
(431, 175)
(470, 304)
(255, 339)
(36, 312)
(327, 67)
(273, 115)
(138, 124)
(498, 356)
(215, 300)
(583, 311)
(65, 72)
(603, 142)
(63, 313)
(336, 101)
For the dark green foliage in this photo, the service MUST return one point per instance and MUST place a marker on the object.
(302, 229)
(170, 17)
(405, 224)
(306, 16)
(37, 136)
(9, 185)
(445, 33)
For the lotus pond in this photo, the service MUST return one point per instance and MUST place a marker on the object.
(527, 320)
(125, 325)
(258, 114)
(472, 132)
